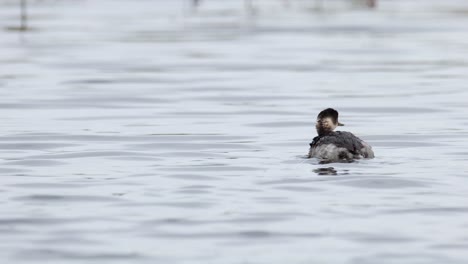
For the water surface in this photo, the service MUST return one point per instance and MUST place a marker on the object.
(137, 132)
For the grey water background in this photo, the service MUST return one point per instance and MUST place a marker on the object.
(138, 132)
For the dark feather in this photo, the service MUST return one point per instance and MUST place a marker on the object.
(341, 139)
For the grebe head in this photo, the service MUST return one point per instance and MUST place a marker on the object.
(327, 121)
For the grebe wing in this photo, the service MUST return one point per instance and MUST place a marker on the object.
(342, 139)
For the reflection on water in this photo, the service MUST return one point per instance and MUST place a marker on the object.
(134, 132)
(326, 171)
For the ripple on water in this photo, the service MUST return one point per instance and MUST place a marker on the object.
(66, 198)
(377, 238)
(270, 236)
(398, 257)
(92, 154)
(48, 185)
(66, 255)
(290, 180)
(193, 146)
(184, 222)
(12, 171)
(36, 163)
(34, 145)
(405, 144)
(108, 102)
(192, 154)
(441, 211)
(454, 246)
(210, 168)
(376, 182)
(391, 110)
(15, 221)
(41, 138)
(186, 205)
(192, 177)
(282, 124)
(304, 189)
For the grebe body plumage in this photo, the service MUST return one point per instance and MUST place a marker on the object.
(334, 146)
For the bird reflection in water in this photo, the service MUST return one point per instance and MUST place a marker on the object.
(329, 171)
(326, 171)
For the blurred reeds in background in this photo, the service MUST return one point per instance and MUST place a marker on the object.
(251, 7)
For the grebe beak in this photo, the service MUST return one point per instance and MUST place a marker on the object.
(340, 124)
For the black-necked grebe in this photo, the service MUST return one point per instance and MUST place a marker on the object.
(333, 146)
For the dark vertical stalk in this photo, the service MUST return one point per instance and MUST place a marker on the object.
(193, 5)
(24, 15)
(249, 6)
(371, 3)
(318, 5)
